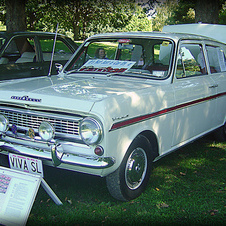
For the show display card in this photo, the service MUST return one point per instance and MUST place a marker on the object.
(17, 194)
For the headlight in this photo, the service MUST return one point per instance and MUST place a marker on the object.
(46, 131)
(4, 124)
(91, 131)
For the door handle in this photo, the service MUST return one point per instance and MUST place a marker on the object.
(213, 86)
(35, 68)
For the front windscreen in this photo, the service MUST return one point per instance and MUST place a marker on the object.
(137, 56)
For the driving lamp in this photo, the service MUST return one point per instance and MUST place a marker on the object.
(4, 124)
(90, 131)
(46, 131)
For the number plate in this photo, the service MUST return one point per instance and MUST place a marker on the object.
(26, 164)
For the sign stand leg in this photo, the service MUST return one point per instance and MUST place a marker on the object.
(50, 192)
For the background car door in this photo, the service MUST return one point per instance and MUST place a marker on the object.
(22, 59)
(195, 105)
(62, 52)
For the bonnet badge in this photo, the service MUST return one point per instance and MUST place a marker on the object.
(26, 98)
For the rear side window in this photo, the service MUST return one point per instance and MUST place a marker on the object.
(190, 61)
(216, 58)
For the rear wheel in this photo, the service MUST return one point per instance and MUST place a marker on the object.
(220, 134)
(131, 178)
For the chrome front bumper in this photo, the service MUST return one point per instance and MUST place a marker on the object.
(55, 154)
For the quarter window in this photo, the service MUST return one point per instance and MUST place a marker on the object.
(216, 59)
(62, 51)
(190, 61)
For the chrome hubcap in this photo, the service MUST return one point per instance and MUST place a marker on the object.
(136, 168)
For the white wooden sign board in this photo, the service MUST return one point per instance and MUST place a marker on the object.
(17, 194)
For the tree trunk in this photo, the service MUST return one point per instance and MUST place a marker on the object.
(207, 11)
(15, 15)
(77, 17)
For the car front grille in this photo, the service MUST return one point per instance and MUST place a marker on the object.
(24, 120)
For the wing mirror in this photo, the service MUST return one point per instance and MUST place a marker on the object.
(59, 67)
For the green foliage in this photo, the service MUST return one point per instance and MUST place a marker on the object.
(183, 11)
(2, 12)
(173, 12)
(222, 15)
(84, 18)
(139, 22)
(180, 12)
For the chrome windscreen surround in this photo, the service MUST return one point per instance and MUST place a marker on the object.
(66, 126)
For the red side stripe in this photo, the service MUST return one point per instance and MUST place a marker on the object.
(137, 119)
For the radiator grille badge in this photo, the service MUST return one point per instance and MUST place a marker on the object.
(31, 133)
(14, 129)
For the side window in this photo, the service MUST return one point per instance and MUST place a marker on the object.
(61, 52)
(190, 61)
(20, 50)
(216, 59)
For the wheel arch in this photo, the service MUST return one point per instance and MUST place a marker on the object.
(153, 141)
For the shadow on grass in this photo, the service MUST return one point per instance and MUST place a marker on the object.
(186, 187)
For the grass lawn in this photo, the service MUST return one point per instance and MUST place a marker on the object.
(187, 187)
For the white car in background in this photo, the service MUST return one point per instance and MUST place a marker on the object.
(123, 101)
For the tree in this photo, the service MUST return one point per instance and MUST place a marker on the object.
(164, 14)
(81, 17)
(149, 6)
(139, 22)
(15, 15)
(222, 16)
(185, 12)
(207, 11)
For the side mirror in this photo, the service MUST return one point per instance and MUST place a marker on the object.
(59, 67)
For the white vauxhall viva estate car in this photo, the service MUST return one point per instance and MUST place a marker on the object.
(123, 101)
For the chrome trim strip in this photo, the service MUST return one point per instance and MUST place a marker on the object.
(42, 113)
(71, 159)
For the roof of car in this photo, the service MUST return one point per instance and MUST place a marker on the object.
(215, 31)
(11, 34)
(153, 34)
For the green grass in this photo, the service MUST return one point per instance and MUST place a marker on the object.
(186, 187)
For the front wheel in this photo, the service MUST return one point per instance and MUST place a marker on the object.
(131, 178)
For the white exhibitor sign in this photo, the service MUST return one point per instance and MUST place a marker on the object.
(109, 66)
(17, 193)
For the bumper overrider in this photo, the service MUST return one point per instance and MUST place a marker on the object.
(55, 153)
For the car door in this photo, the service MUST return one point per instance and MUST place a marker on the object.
(216, 53)
(62, 53)
(22, 59)
(194, 97)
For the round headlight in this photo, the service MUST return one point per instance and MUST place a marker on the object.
(46, 131)
(91, 131)
(4, 124)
